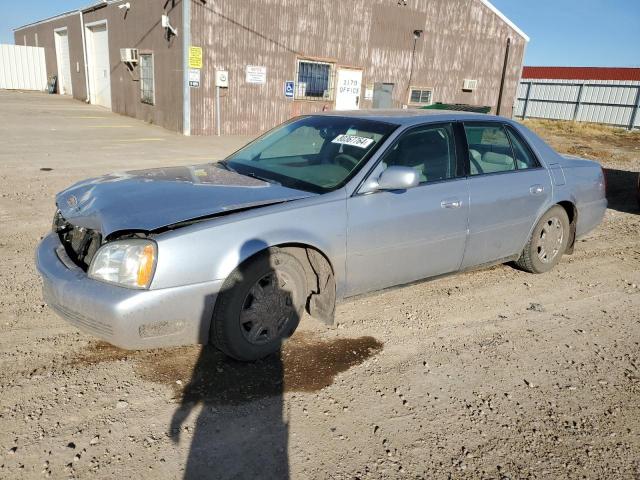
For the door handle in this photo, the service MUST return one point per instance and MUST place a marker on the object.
(451, 203)
(536, 189)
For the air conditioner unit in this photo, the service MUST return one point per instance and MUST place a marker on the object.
(129, 55)
(469, 85)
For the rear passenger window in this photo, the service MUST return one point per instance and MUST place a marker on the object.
(524, 157)
(489, 149)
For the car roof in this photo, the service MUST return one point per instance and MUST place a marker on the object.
(412, 116)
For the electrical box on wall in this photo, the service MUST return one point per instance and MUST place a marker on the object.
(129, 55)
(222, 78)
(469, 85)
(165, 21)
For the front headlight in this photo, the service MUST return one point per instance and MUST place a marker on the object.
(130, 263)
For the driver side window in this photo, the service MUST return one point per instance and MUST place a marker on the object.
(429, 149)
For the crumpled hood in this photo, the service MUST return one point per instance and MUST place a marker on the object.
(146, 200)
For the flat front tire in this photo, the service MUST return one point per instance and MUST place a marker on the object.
(259, 306)
(548, 242)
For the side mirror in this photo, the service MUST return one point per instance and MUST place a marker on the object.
(397, 178)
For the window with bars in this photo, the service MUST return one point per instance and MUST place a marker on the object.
(146, 79)
(420, 96)
(314, 80)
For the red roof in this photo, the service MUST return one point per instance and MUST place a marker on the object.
(581, 73)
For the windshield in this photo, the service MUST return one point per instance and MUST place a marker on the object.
(315, 153)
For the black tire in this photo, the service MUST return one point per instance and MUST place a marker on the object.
(267, 292)
(538, 255)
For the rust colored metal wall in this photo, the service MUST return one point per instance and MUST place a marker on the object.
(46, 40)
(140, 28)
(461, 39)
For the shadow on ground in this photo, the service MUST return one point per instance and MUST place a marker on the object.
(240, 431)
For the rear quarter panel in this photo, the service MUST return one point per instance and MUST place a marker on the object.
(575, 180)
(585, 186)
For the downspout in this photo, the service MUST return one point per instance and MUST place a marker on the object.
(84, 57)
(504, 74)
(186, 90)
(416, 35)
(413, 56)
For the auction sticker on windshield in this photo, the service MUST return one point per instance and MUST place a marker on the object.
(353, 140)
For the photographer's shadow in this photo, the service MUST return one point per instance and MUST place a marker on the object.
(240, 431)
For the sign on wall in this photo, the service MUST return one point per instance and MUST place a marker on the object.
(368, 92)
(256, 74)
(194, 78)
(288, 88)
(195, 57)
(222, 78)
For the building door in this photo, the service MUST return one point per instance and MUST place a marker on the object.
(61, 38)
(348, 89)
(98, 62)
(383, 95)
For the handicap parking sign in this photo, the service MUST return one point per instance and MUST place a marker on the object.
(288, 89)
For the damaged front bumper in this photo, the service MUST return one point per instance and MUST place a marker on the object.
(131, 319)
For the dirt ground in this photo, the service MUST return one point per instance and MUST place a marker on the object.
(490, 374)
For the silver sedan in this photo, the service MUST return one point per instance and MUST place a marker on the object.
(321, 208)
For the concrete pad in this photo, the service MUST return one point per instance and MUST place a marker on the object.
(78, 140)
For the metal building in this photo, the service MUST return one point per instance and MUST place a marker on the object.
(585, 94)
(170, 62)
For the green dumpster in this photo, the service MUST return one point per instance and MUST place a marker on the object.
(459, 107)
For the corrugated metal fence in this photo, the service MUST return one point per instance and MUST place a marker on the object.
(607, 102)
(22, 68)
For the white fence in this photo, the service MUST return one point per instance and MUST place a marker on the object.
(22, 68)
(607, 102)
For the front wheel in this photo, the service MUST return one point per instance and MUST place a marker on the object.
(548, 242)
(260, 305)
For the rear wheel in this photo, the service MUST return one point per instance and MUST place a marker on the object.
(548, 242)
(260, 305)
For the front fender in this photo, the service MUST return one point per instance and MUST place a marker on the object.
(211, 250)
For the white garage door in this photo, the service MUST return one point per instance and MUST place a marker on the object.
(98, 63)
(64, 63)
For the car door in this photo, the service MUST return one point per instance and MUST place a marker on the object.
(508, 190)
(396, 237)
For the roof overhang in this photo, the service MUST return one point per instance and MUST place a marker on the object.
(616, 74)
(88, 8)
(506, 20)
(103, 3)
(50, 19)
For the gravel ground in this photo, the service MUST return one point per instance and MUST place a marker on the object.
(490, 374)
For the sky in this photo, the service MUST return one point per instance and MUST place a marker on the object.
(598, 33)
(585, 33)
